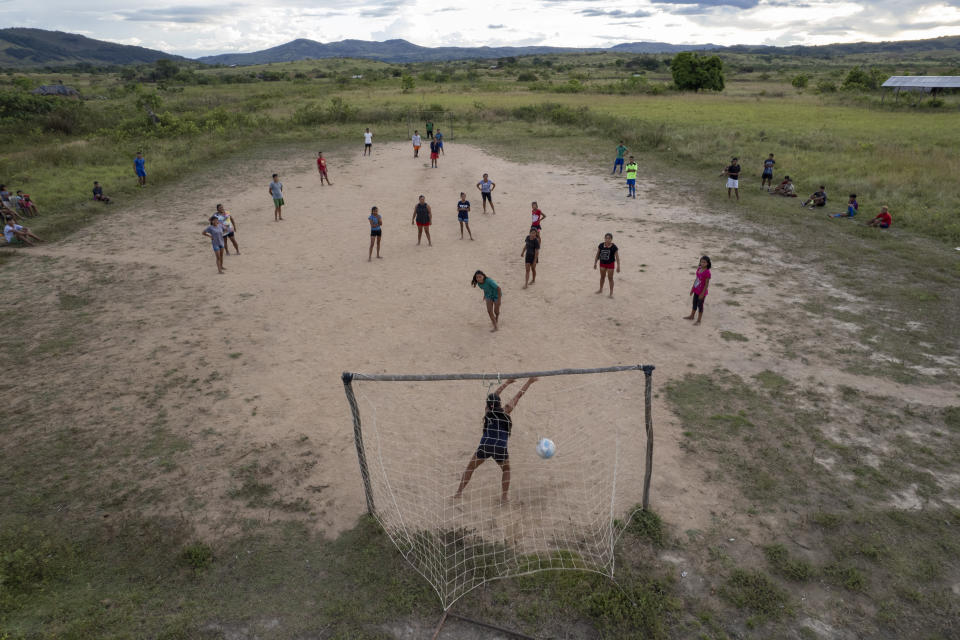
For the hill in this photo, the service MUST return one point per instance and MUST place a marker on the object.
(387, 51)
(36, 47)
(902, 47)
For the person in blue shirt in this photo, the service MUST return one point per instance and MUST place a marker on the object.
(376, 224)
(438, 136)
(140, 169)
(492, 295)
(852, 208)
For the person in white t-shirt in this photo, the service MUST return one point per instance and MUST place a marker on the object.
(416, 144)
(14, 233)
(367, 142)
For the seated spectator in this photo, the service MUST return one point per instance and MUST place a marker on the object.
(13, 233)
(25, 205)
(98, 193)
(818, 199)
(5, 198)
(785, 188)
(852, 208)
(882, 220)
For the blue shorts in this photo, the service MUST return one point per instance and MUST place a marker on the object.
(496, 449)
(631, 182)
(463, 217)
(216, 249)
(141, 173)
(440, 143)
(618, 161)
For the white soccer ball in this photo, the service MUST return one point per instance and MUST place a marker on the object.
(546, 448)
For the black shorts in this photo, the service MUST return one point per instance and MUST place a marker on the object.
(496, 449)
(376, 232)
(486, 196)
(367, 145)
(766, 176)
(228, 235)
(530, 258)
(698, 303)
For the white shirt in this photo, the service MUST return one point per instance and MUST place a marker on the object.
(8, 233)
(368, 138)
(416, 140)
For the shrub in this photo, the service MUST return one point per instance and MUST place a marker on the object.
(693, 72)
(647, 524)
(527, 76)
(197, 556)
(800, 81)
(407, 83)
(826, 86)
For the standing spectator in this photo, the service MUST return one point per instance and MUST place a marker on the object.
(608, 255)
(632, 179)
(439, 139)
(486, 187)
(429, 130)
(621, 150)
(463, 214)
(733, 177)
(434, 153)
(422, 216)
(367, 142)
(139, 167)
(276, 192)
(530, 253)
(215, 233)
(766, 178)
(699, 289)
(376, 232)
(322, 168)
(229, 228)
(416, 144)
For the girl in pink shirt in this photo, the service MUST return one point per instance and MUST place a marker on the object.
(699, 289)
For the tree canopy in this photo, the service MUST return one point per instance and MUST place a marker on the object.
(693, 72)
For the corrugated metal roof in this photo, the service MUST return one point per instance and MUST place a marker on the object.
(926, 82)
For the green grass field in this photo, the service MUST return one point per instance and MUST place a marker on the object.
(812, 471)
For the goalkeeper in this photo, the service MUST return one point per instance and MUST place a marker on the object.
(493, 443)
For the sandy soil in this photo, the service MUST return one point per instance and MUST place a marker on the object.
(302, 304)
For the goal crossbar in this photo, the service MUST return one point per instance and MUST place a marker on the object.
(388, 377)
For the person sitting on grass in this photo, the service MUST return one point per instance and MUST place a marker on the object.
(13, 233)
(882, 220)
(98, 193)
(817, 198)
(852, 208)
(785, 189)
(26, 205)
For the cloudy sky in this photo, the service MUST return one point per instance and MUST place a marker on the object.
(204, 27)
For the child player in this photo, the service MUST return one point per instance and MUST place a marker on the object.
(215, 234)
(530, 252)
(631, 179)
(463, 214)
(608, 255)
(322, 168)
(376, 230)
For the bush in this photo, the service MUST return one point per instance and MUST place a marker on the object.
(527, 76)
(197, 556)
(826, 86)
(860, 80)
(800, 81)
(19, 106)
(647, 524)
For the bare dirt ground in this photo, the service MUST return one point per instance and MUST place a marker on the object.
(243, 369)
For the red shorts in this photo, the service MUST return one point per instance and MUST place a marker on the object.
(434, 155)
(608, 265)
(423, 224)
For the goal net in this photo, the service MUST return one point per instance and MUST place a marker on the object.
(416, 436)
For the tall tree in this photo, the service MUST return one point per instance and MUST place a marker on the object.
(693, 72)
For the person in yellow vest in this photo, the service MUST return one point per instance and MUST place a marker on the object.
(632, 178)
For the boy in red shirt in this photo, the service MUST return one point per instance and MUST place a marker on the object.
(883, 219)
(322, 168)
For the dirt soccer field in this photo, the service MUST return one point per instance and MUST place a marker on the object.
(229, 385)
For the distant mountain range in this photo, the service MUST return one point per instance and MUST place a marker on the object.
(38, 47)
(24, 48)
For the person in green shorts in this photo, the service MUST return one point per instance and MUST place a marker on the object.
(276, 192)
(621, 150)
(632, 179)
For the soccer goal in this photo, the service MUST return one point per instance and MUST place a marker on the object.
(441, 120)
(416, 435)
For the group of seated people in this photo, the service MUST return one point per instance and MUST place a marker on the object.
(17, 206)
(819, 199)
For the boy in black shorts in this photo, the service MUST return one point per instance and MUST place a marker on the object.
(530, 253)
(463, 214)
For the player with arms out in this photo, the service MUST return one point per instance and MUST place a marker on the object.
(497, 425)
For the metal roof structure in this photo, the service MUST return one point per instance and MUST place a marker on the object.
(923, 82)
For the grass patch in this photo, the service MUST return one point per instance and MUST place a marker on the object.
(733, 336)
(757, 593)
(647, 525)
